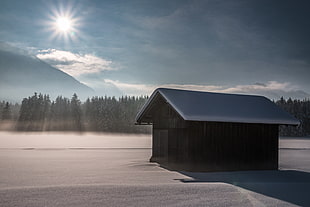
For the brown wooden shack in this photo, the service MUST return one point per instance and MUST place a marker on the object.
(203, 131)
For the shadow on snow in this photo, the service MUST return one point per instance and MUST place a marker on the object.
(288, 185)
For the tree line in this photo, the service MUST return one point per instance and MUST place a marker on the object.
(102, 114)
(9, 111)
(110, 114)
(300, 109)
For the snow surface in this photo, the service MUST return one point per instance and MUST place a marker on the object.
(54, 169)
(73, 140)
(221, 107)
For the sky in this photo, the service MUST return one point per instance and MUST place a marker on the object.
(132, 47)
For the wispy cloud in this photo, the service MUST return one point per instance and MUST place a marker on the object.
(146, 89)
(132, 89)
(271, 89)
(74, 64)
(259, 87)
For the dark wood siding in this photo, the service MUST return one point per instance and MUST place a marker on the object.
(233, 146)
(167, 121)
(211, 146)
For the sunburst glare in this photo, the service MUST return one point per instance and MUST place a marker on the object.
(63, 23)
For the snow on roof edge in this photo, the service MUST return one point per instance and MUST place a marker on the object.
(158, 90)
(235, 120)
(140, 113)
(294, 121)
(227, 119)
(173, 105)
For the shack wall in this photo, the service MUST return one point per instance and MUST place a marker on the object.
(233, 146)
(212, 146)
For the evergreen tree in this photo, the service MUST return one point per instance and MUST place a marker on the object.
(33, 113)
(6, 112)
(300, 110)
(59, 118)
(76, 113)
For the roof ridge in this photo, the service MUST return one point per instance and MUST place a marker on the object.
(211, 92)
(219, 107)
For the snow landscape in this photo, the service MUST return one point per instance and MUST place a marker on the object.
(75, 77)
(71, 169)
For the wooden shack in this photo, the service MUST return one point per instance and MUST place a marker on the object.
(203, 131)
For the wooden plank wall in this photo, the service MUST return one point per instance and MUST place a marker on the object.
(209, 146)
(233, 146)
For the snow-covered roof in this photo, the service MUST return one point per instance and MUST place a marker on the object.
(219, 107)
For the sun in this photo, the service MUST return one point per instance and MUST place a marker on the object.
(63, 24)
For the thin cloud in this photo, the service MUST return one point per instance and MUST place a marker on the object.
(132, 89)
(260, 87)
(74, 64)
(271, 89)
(146, 89)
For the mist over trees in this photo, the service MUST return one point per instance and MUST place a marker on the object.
(100, 114)
(33, 113)
(113, 115)
(9, 111)
(6, 111)
(108, 114)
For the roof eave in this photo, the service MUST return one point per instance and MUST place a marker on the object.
(276, 122)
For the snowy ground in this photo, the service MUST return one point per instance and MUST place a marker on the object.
(55, 169)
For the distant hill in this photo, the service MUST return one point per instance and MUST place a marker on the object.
(22, 74)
